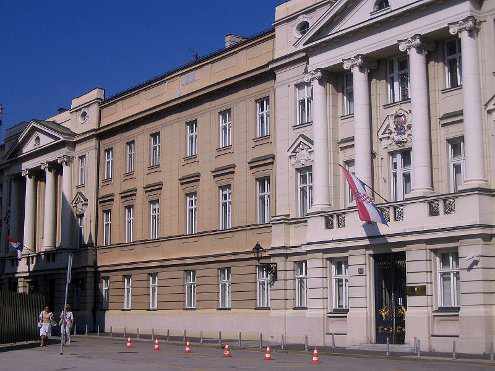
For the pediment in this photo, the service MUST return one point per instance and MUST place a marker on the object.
(79, 203)
(301, 151)
(490, 105)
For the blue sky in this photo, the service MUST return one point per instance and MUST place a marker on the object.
(53, 50)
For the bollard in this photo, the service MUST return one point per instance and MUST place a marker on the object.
(261, 340)
(75, 329)
(111, 331)
(86, 330)
(240, 339)
(98, 330)
(306, 347)
(388, 347)
(152, 334)
(137, 333)
(418, 349)
(333, 342)
(454, 355)
(125, 332)
(168, 334)
(491, 351)
(282, 342)
(201, 337)
(220, 337)
(184, 337)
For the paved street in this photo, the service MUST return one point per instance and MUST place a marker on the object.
(110, 355)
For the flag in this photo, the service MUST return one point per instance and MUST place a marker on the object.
(367, 210)
(15, 245)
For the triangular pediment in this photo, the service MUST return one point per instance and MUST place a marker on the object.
(490, 105)
(79, 203)
(301, 151)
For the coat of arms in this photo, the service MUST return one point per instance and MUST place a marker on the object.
(396, 130)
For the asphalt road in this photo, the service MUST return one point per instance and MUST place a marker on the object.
(111, 355)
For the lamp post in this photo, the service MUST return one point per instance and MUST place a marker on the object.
(271, 268)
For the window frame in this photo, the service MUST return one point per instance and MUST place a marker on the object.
(307, 187)
(80, 229)
(457, 56)
(155, 144)
(190, 283)
(225, 128)
(153, 290)
(397, 189)
(105, 292)
(130, 156)
(191, 213)
(301, 283)
(225, 288)
(394, 87)
(263, 190)
(129, 223)
(335, 278)
(191, 138)
(108, 163)
(225, 206)
(127, 292)
(454, 272)
(348, 94)
(307, 102)
(262, 287)
(154, 219)
(107, 227)
(455, 161)
(263, 117)
(81, 179)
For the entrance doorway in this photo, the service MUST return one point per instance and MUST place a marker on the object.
(390, 297)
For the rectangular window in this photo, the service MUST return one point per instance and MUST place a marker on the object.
(80, 229)
(224, 283)
(190, 286)
(448, 279)
(349, 197)
(301, 277)
(127, 292)
(82, 170)
(398, 79)
(191, 213)
(304, 96)
(129, 224)
(153, 278)
(108, 163)
(348, 94)
(105, 292)
(453, 63)
(130, 153)
(107, 227)
(225, 118)
(264, 213)
(305, 190)
(401, 174)
(340, 284)
(262, 287)
(456, 164)
(191, 138)
(154, 219)
(263, 117)
(225, 207)
(155, 149)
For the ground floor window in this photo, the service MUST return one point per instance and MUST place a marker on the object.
(127, 292)
(225, 284)
(190, 283)
(153, 277)
(340, 284)
(448, 279)
(301, 276)
(262, 287)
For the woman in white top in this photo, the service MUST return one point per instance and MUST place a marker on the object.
(45, 320)
(66, 321)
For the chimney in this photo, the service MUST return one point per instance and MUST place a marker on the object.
(231, 40)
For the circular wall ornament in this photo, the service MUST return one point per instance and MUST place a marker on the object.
(37, 141)
(83, 116)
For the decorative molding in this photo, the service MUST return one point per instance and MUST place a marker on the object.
(316, 74)
(261, 161)
(469, 24)
(301, 151)
(190, 178)
(80, 204)
(153, 187)
(128, 193)
(356, 62)
(223, 170)
(415, 41)
(65, 160)
(396, 130)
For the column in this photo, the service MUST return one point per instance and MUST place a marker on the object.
(421, 131)
(29, 211)
(66, 207)
(13, 214)
(50, 218)
(321, 187)
(362, 119)
(467, 29)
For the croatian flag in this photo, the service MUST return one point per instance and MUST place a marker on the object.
(15, 245)
(367, 210)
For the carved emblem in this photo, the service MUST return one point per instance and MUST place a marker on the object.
(396, 130)
(302, 155)
(79, 204)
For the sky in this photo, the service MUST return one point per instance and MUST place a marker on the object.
(52, 50)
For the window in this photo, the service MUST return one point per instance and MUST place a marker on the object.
(225, 118)
(262, 287)
(304, 99)
(401, 174)
(192, 138)
(301, 275)
(225, 207)
(448, 279)
(380, 5)
(107, 227)
(130, 153)
(190, 283)
(108, 163)
(348, 94)
(127, 292)
(191, 213)
(398, 79)
(340, 284)
(155, 149)
(153, 277)
(154, 219)
(263, 117)
(349, 197)
(105, 292)
(264, 213)
(305, 190)
(224, 282)
(453, 63)
(80, 229)
(129, 223)
(82, 170)
(456, 164)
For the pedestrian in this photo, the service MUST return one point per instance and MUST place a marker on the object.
(66, 321)
(45, 320)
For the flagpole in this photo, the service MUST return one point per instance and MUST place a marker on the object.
(63, 325)
(367, 186)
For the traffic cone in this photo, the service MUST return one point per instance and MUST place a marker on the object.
(268, 354)
(128, 344)
(226, 351)
(316, 358)
(156, 347)
(188, 347)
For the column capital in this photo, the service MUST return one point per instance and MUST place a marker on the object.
(358, 62)
(415, 41)
(469, 24)
(47, 166)
(316, 74)
(65, 160)
(27, 172)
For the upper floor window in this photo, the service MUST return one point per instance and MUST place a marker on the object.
(130, 153)
(263, 117)
(456, 164)
(401, 174)
(153, 278)
(380, 5)
(448, 279)
(154, 219)
(190, 286)
(127, 292)
(129, 224)
(81, 179)
(105, 292)
(225, 122)
(263, 200)
(340, 284)
(398, 79)
(301, 277)
(262, 287)
(225, 288)
(191, 212)
(453, 63)
(192, 138)
(349, 197)
(155, 149)
(348, 94)
(80, 229)
(304, 96)
(305, 190)
(108, 163)
(225, 207)
(107, 227)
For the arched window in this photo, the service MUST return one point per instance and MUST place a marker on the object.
(381, 4)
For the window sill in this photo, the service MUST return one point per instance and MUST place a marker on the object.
(302, 125)
(347, 117)
(448, 90)
(152, 309)
(126, 310)
(262, 308)
(153, 169)
(224, 150)
(190, 309)
(129, 175)
(106, 181)
(398, 103)
(224, 309)
(80, 186)
(446, 312)
(190, 160)
(300, 308)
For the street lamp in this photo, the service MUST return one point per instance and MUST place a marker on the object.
(271, 268)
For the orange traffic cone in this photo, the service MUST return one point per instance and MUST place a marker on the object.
(128, 344)
(268, 354)
(188, 347)
(226, 351)
(156, 347)
(316, 358)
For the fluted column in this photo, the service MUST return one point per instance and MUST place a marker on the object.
(467, 29)
(321, 187)
(50, 216)
(362, 119)
(29, 211)
(421, 132)
(66, 208)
